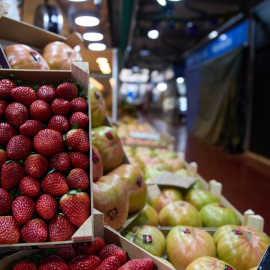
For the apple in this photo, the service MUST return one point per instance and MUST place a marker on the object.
(110, 196)
(167, 196)
(98, 107)
(175, 163)
(109, 146)
(216, 215)
(184, 244)
(97, 165)
(137, 189)
(166, 262)
(200, 197)
(153, 170)
(180, 213)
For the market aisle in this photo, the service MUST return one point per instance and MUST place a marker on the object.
(246, 182)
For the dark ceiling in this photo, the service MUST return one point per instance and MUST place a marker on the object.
(172, 21)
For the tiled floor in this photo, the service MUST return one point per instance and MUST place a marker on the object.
(246, 181)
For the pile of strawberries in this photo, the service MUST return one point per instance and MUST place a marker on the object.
(44, 162)
(97, 256)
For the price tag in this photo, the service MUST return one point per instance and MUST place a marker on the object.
(145, 136)
(170, 179)
(3, 60)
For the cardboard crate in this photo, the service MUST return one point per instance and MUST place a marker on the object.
(79, 73)
(111, 237)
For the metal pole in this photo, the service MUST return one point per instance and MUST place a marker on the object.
(115, 85)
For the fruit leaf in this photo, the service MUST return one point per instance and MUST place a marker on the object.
(51, 171)
(83, 95)
(71, 192)
(75, 126)
(14, 193)
(36, 87)
(45, 126)
(36, 259)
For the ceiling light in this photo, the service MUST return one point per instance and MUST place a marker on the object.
(153, 34)
(102, 60)
(86, 18)
(162, 2)
(213, 34)
(97, 46)
(162, 86)
(180, 80)
(92, 36)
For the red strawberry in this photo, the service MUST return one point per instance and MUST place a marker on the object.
(46, 206)
(59, 123)
(80, 118)
(23, 208)
(48, 142)
(30, 128)
(3, 157)
(111, 263)
(76, 207)
(127, 266)
(24, 94)
(6, 132)
(11, 175)
(3, 106)
(113, 250)
(78, 105)
(60, 162)
(92, 248)
(46, 93)
(19, 147)
(66, 253)
(53, 262)
(5, 202)
(5, 87)
(78, 179)
(144, 263)
(16, 114)
(9, 230)
(35, 230)
(25, 265)
(79, 160)
(60, 229)
(77, 140)
(60, 106)
(84, 262)
(67, 91)
(40, 110)
(29, 186)
(54, 184)
(36, 165)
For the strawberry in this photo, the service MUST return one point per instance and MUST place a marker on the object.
(78, 105)
(67, 91)
(113, 250)
(5, 202)
(24, 94)
(9, 230)
(46, 93)
(60, 229)
(127, 266)
(23, 208)
(11, 175)
(16, 114)
(59, 123)
(36, 165)
(60, 106)
(144, 263)
(6, 132)
(54, 184)
(5, 87)
(84, 262)
(76, 207)
(92, 248)
(78, 179)
(60, 162)
(19, 147)
(111, 263)
(40, 110)
(29, 186)
(25, 265)
(35, 230)
(3, 106)
(79, 160)
(3, 157)
(46, 206)
(80, 118)
(30, 128)
(53, 262)
(48, 142)
(66, 253)
(77, 140)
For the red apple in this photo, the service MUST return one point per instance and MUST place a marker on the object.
(97, 164)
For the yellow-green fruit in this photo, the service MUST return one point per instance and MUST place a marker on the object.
(165, 262)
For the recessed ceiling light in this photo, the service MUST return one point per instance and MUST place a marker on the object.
(180, 80)
(87, 21)
(213, 34)
(162, 2)
(102, 60)
(97, 47)
(162, 86)
(92, 36)
(153, 34)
